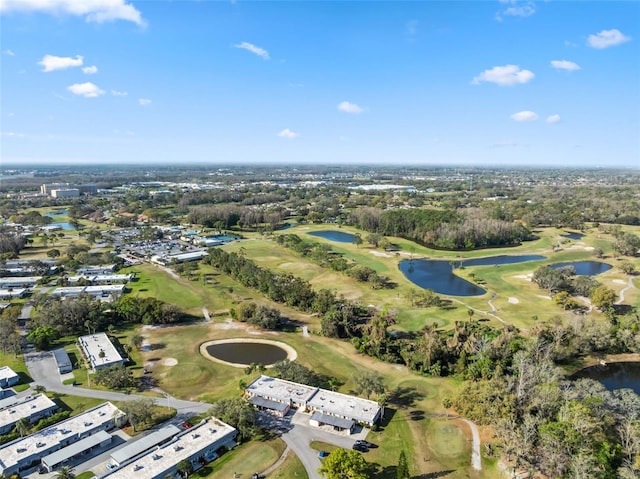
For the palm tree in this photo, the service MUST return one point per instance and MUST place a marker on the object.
(64, 472)
(22, 426)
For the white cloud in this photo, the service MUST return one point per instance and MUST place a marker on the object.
(261, 52)
(516, 9)
(607, 38)
(9, 53)
(565, 65)
(118, 93)
(87, 90)
(504, 76)
(51, 62)
(12, 134)
(289, 134)
(144, 101)
(553, 118)
(349, 107)
(525, 115)
(97, 11)
(90, 70)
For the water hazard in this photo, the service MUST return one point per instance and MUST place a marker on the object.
(337, 236)
(247, 353)
(584, 268)
(614, 375)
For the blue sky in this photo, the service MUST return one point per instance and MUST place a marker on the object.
(507, 82)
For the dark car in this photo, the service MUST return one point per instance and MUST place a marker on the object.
(360, 447)
(367, 444)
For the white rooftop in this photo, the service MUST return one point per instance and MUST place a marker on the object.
(104, 289)
(49, 438)
(94, 344)
(25, 407)
(12, 293)
(19, 279)
(280, 390)
(7, 373)
(184, 446)
(343, 405)
(68, 290)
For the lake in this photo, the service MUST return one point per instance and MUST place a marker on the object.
(573, 235)
(337, 236)
(584, 268)
(64, 225)
(247, 353)
(438, 276)
(614, 375)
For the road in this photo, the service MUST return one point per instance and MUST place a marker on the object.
(44, 371)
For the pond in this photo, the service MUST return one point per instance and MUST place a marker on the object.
(64, 225)
(241, 352)
(573, 235)
(438, 276)
(337, 236)
(614, 375)
(584, 268)
(223, 238)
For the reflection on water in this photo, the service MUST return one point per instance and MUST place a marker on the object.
(614, 375)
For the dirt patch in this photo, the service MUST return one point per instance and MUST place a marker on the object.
(513, 300)
(169, 361)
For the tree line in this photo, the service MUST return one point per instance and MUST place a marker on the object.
(441, 229)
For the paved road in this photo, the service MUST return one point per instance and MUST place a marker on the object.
(42, 368)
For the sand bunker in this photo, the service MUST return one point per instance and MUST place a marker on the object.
(380, 254)
(619, 281)
(524, 276)
(169, 361)
(513, 300)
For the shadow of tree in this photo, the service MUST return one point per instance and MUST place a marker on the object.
(434, 475)
(404, 397)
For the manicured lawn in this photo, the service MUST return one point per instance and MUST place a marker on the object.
(254, 456)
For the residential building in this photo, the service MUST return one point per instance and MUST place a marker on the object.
(100, 351)
(199, 445)
(32, 408)
(8, 377)
(26, 452)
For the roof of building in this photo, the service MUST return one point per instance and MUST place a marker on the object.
(9, 400)
(184, 446)
(332, 420)
(12, 293)
(62, 358)
(76, 448)
(7, 373)
(48, 438)
(24, 407)
(144, 444)
(68, 290)
(280, 390)
(105, 288)
(339, 404)
(99, 349)
(269, 404)
(20, 279)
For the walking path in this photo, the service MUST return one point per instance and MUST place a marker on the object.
(476, 458)
(276, 464)
(629, 285)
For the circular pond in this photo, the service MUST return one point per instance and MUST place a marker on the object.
(337, 236)
(241, 352)
(614, 375)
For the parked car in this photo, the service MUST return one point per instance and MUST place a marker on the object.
(323, 454)
(360, 447)
(366, 444)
